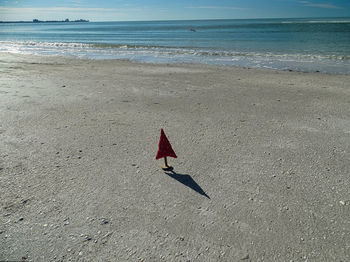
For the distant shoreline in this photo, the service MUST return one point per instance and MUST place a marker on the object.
(48, 21)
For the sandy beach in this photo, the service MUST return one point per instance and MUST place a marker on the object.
(262, 172)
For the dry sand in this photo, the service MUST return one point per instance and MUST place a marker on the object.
(262, 172)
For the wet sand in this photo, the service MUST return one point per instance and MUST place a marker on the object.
(262, 172)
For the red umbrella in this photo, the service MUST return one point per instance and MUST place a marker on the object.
(165, 150)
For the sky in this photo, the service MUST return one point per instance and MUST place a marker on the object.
(142, 10)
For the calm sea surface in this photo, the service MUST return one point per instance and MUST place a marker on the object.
(308, 45)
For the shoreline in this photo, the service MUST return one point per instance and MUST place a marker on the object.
(280, 44)
(79, 179)
(85, 59)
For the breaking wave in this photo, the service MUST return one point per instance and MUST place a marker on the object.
(164, 54)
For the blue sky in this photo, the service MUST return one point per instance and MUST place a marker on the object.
(136, 10)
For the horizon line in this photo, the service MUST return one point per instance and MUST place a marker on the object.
(160, 20)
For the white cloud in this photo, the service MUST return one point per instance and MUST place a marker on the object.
(76, 2)
(54, 9)
(217, 7)
(320, 5)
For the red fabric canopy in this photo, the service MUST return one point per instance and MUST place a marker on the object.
(164, 147)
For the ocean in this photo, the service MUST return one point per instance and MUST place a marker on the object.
(307, 45)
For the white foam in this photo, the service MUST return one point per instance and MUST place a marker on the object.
(299, 62)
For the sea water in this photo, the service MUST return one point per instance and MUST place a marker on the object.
(306, 45)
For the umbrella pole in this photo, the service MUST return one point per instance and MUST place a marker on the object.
(166, 167)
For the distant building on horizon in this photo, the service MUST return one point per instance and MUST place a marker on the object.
(57, 21)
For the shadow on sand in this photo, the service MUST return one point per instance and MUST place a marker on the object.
(187, 180)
